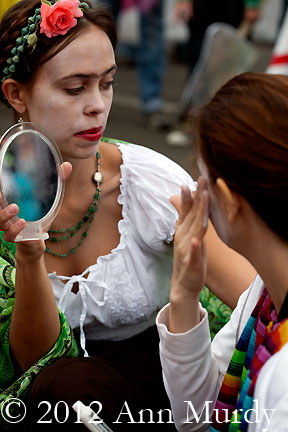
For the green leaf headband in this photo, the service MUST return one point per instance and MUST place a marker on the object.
(55, 17)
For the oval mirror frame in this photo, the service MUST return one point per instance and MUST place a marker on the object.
(36, 229)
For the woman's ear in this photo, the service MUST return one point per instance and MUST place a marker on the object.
(13, 91)
(229, 199)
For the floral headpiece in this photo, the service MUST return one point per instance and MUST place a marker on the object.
(55, 17)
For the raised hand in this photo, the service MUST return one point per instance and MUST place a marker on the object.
(190, 260)
(189, 247)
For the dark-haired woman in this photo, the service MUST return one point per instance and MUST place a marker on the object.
(239, 382)
(111, 276)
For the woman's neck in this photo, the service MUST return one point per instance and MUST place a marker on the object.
(81, 176)
(269, 255)
(274, 272)
(267, 252)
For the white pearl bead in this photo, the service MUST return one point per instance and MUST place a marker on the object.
(98, 178)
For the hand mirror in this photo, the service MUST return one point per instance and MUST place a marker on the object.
(31, 177)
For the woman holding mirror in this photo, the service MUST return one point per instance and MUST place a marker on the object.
(108, 256)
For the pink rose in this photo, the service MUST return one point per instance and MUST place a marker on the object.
(59, 18)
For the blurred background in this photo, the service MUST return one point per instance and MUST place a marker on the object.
(130, 122)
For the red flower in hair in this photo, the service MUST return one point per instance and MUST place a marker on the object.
(59, 18)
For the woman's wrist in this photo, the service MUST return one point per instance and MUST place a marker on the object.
(179, 294)
(184, 311)
(28, 253)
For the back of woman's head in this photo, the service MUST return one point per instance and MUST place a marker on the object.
(242, 135)
(17, 18)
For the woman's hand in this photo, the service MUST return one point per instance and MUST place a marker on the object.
(27, 249)
(11, 229)
(190, 260)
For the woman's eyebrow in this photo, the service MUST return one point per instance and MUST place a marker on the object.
(93, 76)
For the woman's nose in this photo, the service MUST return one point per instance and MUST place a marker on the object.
(95, 104)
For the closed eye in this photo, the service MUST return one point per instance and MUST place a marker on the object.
(107, 85)
(74, 91)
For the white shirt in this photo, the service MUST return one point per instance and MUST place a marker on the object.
(121, 293)
(194, 368)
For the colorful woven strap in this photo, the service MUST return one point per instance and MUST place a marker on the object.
(262, 337)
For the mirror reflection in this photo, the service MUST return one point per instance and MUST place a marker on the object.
(29, 175)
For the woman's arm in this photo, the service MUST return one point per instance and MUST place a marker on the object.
(192, 376)
(35, 324)
(193, 370)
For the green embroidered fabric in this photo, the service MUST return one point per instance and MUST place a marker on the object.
(218, 312)
(13, 384)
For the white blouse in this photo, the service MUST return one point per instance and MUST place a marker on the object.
(194, 368)
(120, 295)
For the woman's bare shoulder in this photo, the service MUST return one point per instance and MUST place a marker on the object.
(111, 157)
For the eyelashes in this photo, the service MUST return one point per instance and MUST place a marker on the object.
(74, 91)
(107, 85)
(78, 90)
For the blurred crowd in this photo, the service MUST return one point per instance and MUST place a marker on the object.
(147, 49)
(143, 26)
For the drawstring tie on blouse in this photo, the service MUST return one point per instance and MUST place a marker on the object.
(84, 290)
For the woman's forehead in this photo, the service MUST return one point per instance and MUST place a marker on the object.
(90, 52)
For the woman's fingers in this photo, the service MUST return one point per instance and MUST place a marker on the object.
(199, 227)
(182, 203)
(6, 214)
(190, 259)
(199, 261)
(66, 170)
(193, 212)
(13, 230)
(195, 206)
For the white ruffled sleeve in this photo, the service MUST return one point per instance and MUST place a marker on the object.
(148, 181)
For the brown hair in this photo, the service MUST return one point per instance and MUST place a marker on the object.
(16, 18)
(242, 135)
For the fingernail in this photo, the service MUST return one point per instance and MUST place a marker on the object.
(12, 209)
(20, 223)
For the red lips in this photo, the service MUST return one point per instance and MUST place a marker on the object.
(93, 134)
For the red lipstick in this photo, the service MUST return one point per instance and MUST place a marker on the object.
(93, 134)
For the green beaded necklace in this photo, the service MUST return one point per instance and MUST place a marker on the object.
(87, 219)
